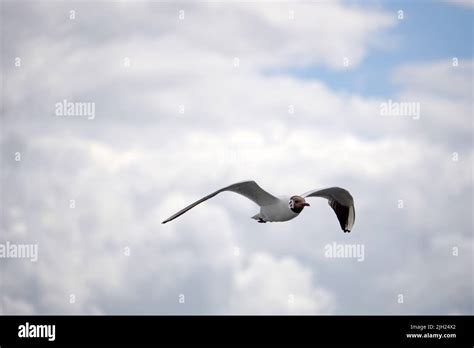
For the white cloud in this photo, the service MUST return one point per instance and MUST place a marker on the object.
(140, 161)
(269, 286)
(442, 79)
(463, 3)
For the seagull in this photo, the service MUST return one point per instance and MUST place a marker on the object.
(274, 209)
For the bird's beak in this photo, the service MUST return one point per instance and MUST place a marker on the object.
(306, 204)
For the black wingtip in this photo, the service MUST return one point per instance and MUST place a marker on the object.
(347, 231)
(164, 222)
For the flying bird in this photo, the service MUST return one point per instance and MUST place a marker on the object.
(273, 209)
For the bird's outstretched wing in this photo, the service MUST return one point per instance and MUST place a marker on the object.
(249, 189)
(341, 202)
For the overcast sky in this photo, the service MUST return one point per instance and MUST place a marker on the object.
(190, 98)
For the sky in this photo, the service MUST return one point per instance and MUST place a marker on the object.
(186, 98)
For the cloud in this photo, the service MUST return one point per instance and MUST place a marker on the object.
(269, 286)
(447, 79)
(444, 92)
(462, 3)
(140, 160)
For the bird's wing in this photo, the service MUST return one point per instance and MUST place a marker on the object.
(249, 189)
(341, 202)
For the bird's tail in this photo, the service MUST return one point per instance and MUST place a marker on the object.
(256, 217)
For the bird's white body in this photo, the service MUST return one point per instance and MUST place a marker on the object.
(279, 211)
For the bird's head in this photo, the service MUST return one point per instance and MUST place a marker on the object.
(297, 204)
